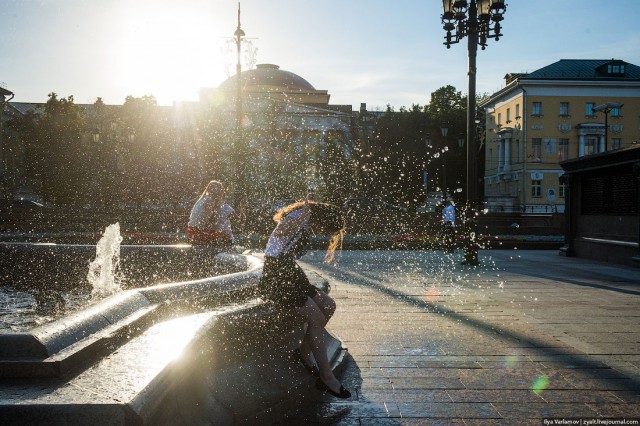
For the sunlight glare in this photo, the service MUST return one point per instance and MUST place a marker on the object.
(167, 340)
(170, 52)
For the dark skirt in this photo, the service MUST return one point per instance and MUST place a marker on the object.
(284, 283)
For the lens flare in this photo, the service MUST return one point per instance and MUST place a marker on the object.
(539, 384)
(432, 295)
(510, 361)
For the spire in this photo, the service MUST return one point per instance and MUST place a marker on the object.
(239, 33)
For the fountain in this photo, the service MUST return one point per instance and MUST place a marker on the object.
(41, 282)
(178, 351)
(104, 271)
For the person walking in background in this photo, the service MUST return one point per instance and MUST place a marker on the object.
(449, 213)
(284, 283)
(209, 221)
(449, 225)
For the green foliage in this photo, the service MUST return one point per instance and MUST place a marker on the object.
(144, 154)
(394, 165)
(54, 156)
(447, 107)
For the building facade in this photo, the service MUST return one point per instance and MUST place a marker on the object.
(6, 167)
(293, 139)
(566, 110)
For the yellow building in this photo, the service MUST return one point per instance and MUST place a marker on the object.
(569, 109)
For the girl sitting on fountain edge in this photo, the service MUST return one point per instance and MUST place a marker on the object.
(209, 220)
(285, 284)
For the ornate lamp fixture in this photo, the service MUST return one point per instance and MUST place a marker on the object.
(458, 23)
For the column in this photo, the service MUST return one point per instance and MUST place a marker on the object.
(507, 155)
(570, 216)
(500, 156)
(636, 172)
(601, 149)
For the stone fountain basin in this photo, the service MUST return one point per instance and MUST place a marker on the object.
(46, 350)
(203, 351)
(63, 266)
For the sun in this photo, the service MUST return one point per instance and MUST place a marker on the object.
(170, 52)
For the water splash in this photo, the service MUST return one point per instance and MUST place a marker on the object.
(104, 271)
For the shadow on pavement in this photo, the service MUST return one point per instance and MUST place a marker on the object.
(630, 384)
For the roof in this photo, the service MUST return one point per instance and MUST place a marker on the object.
(5, 92)
(23, 107)
(581, 69)
(268, 75)
(572, 71)
(624, 156)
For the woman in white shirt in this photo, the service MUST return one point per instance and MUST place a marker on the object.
(209, 221)
(285, 284)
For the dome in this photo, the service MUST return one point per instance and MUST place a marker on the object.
(268, 75)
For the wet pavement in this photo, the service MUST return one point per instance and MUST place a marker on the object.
(530, 337)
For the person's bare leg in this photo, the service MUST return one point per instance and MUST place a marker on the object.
(305, 349)
(316, 321)
(328, 306)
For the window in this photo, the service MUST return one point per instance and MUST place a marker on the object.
(615, 69)
(517, 111)
(537, 108)
(499, 119)
(550, 145)
(590, 145)
(588, 110)
(615, 112)
(562, 190)
(516, 154)
(536, 188)
(490, 165)
(563, 150)
(508, 115)
(616, 143)
(536, 149)
(564, 109)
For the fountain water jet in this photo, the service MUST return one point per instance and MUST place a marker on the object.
(104, 271)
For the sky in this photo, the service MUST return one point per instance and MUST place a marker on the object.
(378, 52)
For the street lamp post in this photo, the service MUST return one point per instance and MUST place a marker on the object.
(239, 151)
(425, 172)
(606, 109)
(478, 20)
(460, 162)
(444, 131)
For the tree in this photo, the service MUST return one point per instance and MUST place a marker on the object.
(151, 153)
(447, 108)
(54, 159)
(395, 167)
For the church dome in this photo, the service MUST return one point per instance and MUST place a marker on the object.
(268, 75)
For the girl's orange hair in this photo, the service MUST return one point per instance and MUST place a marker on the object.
(325, 217)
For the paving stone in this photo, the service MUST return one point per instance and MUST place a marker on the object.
(591, 396)
(486, 395)
(426, 383)
(541, 410)
(616, 410)
(447, 409)
(628, 396)
(421, 395)
(489, 337)
(396, 373)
